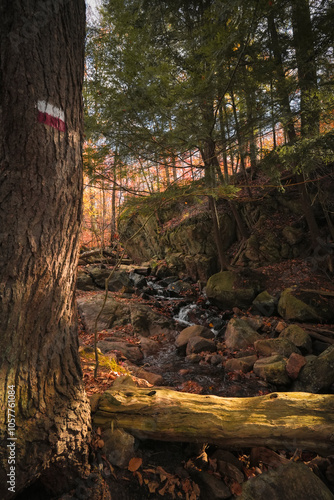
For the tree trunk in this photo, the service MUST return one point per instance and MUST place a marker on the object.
(306, 64)
(279, 420)
(41, 71)
(211, 162)
(282, 89)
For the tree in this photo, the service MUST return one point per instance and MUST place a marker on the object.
(42, 51)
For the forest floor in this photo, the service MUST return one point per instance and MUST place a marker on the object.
(170, 470)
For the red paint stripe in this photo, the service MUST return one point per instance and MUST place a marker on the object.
(51, 121)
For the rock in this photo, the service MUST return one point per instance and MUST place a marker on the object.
(193, 331)
(280, 326)
(301, 305)
(148, 347)
(243, 364)
(227, 456)
(147, 322)
(199, 344)
(229, 289)
(298, 337)
(267, 347)
(200, 267)
(239, 334)
(318, 346)
(114, 313)
(152, 378)
(123, 381)
(216, 359)
(265, 304)
(179, 287)
(272, 369)
(293, 235)
(119, 447)
(138, 280)
(230, 470)
(129, 351)
(318, 373)
(293, 481)
(193, 358)
(254, 321)
(294, 365)
(211, 487)
(84, 281)
(117, 280)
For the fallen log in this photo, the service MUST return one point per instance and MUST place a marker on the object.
(286, 420)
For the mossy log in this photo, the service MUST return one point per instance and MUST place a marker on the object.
(287, 420)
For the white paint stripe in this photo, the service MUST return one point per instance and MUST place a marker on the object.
(45, 107)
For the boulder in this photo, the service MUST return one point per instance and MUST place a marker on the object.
(193, 331)
(254, 321)
(265, 303)
(129, 351)
(148, 346)
(152, 378)
(305, 305)
(138, 280)
(229, 289)
(114, 313)
(199, 344)
(118, 280)
(267, 347)
(147, 322)
(298, 337)
(239, 334)
(211, 486)
(272, 369)
(293, 235)
(244, 364)
(318, 373)
(200, 267)
(294, 365)
(119, 447)
(85, 281)
(293, 481)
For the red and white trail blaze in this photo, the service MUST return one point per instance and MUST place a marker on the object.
(51, 115)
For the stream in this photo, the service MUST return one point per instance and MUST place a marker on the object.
(198, 373)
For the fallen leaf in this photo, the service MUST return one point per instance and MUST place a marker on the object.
(235, 488)
(152, 486)
(134, 464)
(139, 477)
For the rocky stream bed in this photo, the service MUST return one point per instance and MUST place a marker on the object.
(261, 335)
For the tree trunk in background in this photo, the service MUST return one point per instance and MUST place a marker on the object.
(306, 64)
(113, 203)
(41, 71)
(301, 18)
(281, 87)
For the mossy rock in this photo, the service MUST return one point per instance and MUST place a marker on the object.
(299, 337)
(265, 303)
(229, 289)
(302, 305)
(318, 374)
(272, 369)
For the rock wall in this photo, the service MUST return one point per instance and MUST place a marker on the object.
(180, 241)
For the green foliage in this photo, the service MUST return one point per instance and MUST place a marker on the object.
(104, 361)
(192, 193)
(304, 155)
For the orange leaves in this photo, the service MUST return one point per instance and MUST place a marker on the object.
(160, 482)
(134, 464)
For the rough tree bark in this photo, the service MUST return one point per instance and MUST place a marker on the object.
(280, 420)
(41, 71)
